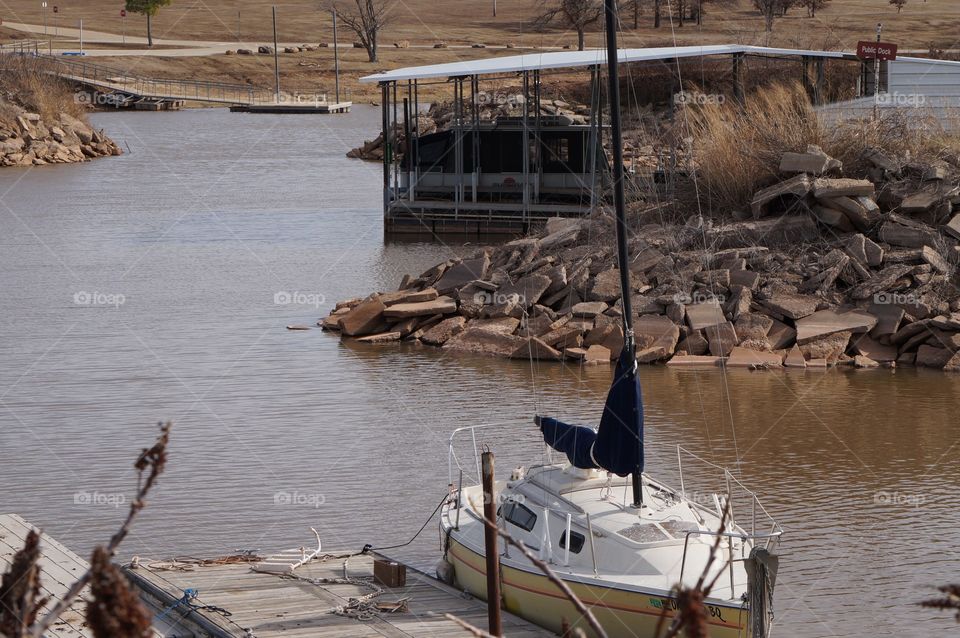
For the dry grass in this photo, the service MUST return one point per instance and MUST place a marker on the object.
(25, 83)
(737, 149)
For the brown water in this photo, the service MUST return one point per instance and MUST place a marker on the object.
(210, 215)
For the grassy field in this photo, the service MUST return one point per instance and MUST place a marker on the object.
(921, 25)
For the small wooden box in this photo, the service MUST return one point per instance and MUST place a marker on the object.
(389, 573)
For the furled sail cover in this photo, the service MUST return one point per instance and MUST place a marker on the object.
(617, 445)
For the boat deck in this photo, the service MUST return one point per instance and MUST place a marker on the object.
(264, 604)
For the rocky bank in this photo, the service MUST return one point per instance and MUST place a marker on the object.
(28, 139)
(822, 270)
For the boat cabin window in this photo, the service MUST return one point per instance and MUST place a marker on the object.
(576, 541)
(520, 515)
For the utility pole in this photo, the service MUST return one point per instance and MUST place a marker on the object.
(276, 53)
(876, 75)
(336, 55)
(81, 36)
(494, 8)
(238, 26)
(44, 5)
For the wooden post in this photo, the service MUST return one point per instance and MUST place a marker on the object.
(738, 92)
(276, 54)
(490, 547)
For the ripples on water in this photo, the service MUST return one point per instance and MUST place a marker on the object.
(199, 231)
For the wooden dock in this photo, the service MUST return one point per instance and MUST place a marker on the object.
(302, 108)
(235, 600)
(59, 568)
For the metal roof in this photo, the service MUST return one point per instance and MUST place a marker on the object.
(572, 59)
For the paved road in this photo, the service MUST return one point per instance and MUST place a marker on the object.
(184, 48)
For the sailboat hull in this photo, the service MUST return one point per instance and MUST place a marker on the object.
(622, 613)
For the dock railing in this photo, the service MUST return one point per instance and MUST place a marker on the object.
(105, 78)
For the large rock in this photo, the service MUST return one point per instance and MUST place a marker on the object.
(481, 341)
(503, 325)
(694, 344)
(722, 339)
(656, 338)
(463, 273)
(827, 322)
(781, 335)
(439, 306)
(794, 188)
(794, 358)
(880, 282)
(953, 365)
(792, 306)
(930, 357)
(752, 329)
(443, 331)
(888, 317)
(365, 318)
(829, 347)
(535, 348)
(605, 286)
(953, 226)
(528, 290)
(609, 336)
(704, 315)
(869, 347)
(589, 309)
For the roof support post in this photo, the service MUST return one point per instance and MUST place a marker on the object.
(385, 124)
(526, 145)
(819, 81)
(538, 128)
(475, 146)
(738, 90)
(458, 144)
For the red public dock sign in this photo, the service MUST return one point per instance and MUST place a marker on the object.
(876, 50)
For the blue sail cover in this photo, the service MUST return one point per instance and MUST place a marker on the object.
(617, 445)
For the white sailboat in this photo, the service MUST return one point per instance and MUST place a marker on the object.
(624, 558)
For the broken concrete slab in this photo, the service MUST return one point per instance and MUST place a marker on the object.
(656, 338)
(528, 290)
(861, 361)
(408, 296)
(597, 354)
(744, 358)
(827, 322)
(910, 237)
(825, 188)
(780, 231)
(694, 343)
(880, 282)
(792, 306)
(953, 365)
(536, 349)
(752, 328)
(888, 317)
(363, 318)
(796, 188)
(605, 286)
(383, 337)
(689, 360)
(829, 347)
(746, 278)
(439, 306)
(781, 335)
(795, 358)
(443, 331)
(722, 338)
(704, 315)
(589, 309)
(953, 226)
(832, 217)
(869, 347)
(814, 162)
(935, 259)
(931, 357)
(503, 325)
(461, 274)
(481, 341)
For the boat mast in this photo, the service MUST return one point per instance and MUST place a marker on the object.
(613, 96)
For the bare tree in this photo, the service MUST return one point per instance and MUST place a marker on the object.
(366, 18)
(899, 4)
(579, 15)
(813, 6)
(772, 9)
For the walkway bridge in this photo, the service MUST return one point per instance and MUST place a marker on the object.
(117, 87)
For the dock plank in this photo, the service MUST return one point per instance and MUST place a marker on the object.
(269, 605)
